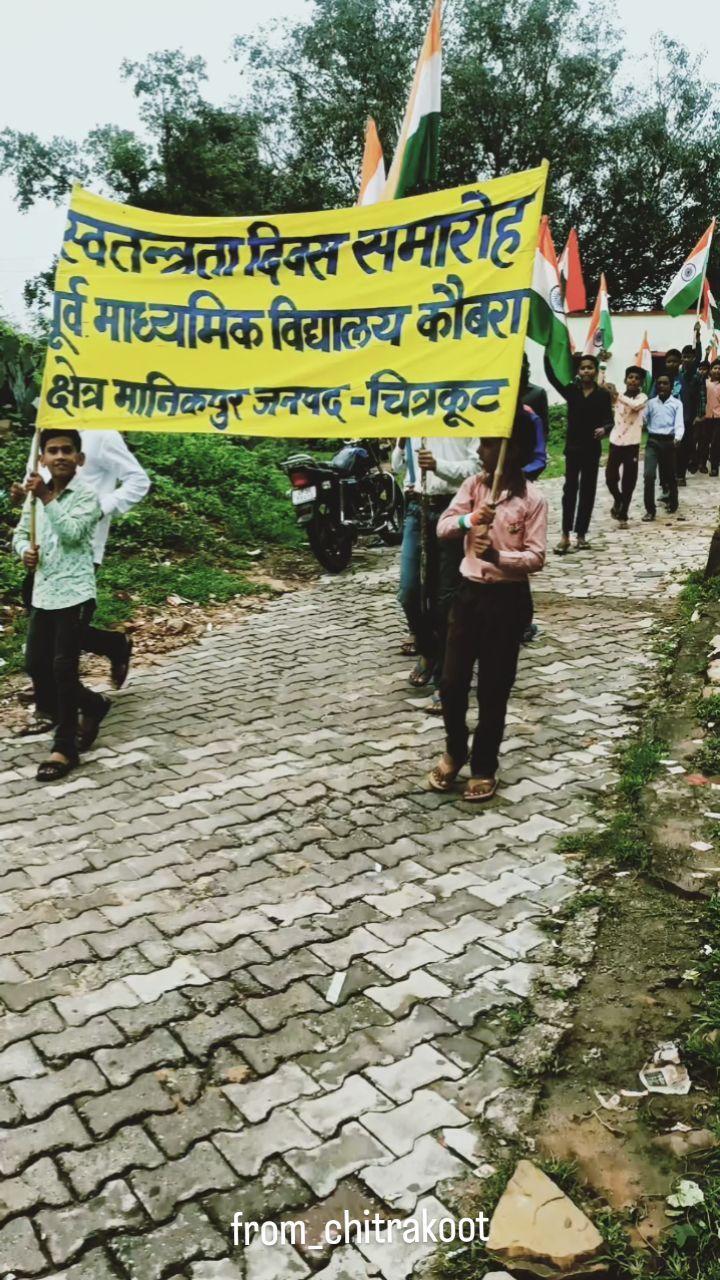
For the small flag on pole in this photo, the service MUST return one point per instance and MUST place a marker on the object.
(416, 155)
(372, 177)
(548, 323)
(600, 333)
(571, 273)
(643, 360)
(686, 289)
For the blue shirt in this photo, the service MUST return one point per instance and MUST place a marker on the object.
(665, 418)
(538, 462)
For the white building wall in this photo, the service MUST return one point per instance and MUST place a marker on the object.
(663, 331)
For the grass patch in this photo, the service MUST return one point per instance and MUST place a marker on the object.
(516, 1018)
(622, 839)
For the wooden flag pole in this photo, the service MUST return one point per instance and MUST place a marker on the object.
(500, 467)
(34, 454)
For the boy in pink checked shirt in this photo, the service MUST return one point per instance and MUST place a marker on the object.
(504, 544)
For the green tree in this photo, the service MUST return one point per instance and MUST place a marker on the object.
(652, 189)
(190, 157)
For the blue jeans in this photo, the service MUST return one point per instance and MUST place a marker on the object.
(443, 575)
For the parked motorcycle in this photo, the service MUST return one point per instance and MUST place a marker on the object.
(337, 501)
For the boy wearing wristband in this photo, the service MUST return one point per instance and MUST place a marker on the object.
(503, 544)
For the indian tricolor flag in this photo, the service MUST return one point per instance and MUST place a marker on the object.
(416, 154)
(600, 333)
(685, 290)
(372, 176)
(547, 323)
(643, 360)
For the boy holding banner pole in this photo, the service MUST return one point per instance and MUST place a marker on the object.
(503, 521)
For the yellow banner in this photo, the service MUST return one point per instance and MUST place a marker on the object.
(402, 318)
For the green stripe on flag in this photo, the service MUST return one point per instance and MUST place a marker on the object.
(420, 161)
(686, 298)
(545, 328)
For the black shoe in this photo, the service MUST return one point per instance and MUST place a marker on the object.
(682, 482)
(87, 736)
(672, 511)
(648, 517)
(119, 670)
(530, 633)
(615, 511)
(703, 471)
(714, 473)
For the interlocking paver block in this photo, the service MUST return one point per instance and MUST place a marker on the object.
(324, 1166)
(201, 1170)
(423, 1066)
(258, 1098)
(246, 1151)
(400, 1129)
(178, 1130)
(20, 1062)
(265, 1262)
(121, 1065)
(19, 1249)
(36, 1097)
(38, 1185)
(144, 1097)
(400, 1183)
(396, 1259)
(67, 1230)
(148, 987)
(189, 1236)
(61, 1129)
(327, 1113)
(131, 1148)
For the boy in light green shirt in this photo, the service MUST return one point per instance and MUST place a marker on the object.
(63, 598)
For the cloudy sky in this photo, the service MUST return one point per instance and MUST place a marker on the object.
(60, 76)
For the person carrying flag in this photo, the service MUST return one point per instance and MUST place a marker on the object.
(709, 429)
(590, 419)
(625, 440)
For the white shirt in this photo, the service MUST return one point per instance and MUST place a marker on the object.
(114, 475)
(457, 460)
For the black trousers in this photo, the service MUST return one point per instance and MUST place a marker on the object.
(622, 458)
(686, 452)
(443, 575)
(52, 657)
(660, 452)
(106, 644)
(708, 443)
(487, 623)
(581, 476)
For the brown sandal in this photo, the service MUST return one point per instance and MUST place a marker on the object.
(480, 790)
(408, 648)
(440, 779)
(421, 673)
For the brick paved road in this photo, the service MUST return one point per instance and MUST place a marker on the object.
(172, 920)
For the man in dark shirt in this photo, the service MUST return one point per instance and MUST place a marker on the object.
(692, 397)
(534, 397)
(590, 418)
